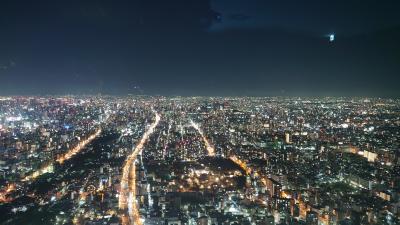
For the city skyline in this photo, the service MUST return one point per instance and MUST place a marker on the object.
(142, 160)
(200, 112)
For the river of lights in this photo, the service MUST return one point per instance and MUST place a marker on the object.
(127, 195)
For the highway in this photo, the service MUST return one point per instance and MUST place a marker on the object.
(127, 195)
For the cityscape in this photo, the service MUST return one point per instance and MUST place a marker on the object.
(148, 160)
(199, 112)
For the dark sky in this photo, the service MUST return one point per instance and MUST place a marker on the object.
(200, 47)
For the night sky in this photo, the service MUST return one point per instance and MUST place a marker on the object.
(200, 47)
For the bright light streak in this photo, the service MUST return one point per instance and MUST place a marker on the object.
(209, 147)
(72, 152)
(68, 155)
(241, 164)
(127, 194)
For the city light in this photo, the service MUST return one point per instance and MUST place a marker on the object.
(147, 161)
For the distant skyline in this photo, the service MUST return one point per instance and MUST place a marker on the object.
(200, 47)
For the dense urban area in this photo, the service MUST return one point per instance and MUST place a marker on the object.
(146, 160)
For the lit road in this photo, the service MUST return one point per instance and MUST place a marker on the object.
(68, 155)
(241, 164)
(127, 195)
(209, 147)
(211, 152)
